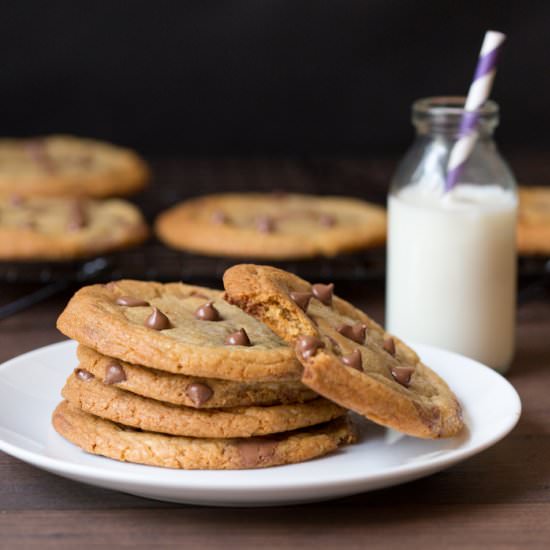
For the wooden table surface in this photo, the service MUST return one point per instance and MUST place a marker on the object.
(498, 499)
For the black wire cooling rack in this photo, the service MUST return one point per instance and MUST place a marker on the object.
(153, 261)
(180, 178)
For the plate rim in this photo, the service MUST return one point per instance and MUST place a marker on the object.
(276, 484)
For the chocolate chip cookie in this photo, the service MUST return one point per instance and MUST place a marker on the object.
(68, 166)
(533, 229)
(62, 228)
(89, 394)
(190, 391)
(347, 357)
(102, 437)
(272, 226)
(177, 328)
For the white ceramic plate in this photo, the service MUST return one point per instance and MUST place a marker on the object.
(29, 390)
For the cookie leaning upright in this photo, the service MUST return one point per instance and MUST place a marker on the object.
(347, 357)
(177, 328)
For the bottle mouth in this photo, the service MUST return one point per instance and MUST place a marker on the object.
(444, 113)
(449, 106)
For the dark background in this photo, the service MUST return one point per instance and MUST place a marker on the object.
(263, 76)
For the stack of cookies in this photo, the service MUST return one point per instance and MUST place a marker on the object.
(185, 377)
(172, 375)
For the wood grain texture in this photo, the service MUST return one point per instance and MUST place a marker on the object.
(498, 499)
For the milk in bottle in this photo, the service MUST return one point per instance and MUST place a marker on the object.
(451, 273)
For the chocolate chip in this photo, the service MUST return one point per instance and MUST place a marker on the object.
(402, 375)
(327, 220)
(323, 293)
(114, 374)
(301, 299)
(197, 294)
(16, 200)
(219, 217)
(265, 224)
(131, 301)
(27, 224)
(279, 194)
(84, 160)
(207, 312)
(77, 216)
(389, 345)
(157, 320)
(36, 149)
(353, 360)
(199, 393)
(255, 451)
(353, 332)
(83, 375)
(307, 345)
(238, 338)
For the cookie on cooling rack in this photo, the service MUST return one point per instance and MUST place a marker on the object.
(62, 228)
(533, 229)
(69, 166)
(272, 226)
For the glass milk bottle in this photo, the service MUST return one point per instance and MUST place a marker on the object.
(451, 273)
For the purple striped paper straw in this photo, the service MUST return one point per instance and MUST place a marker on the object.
(478, 93)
